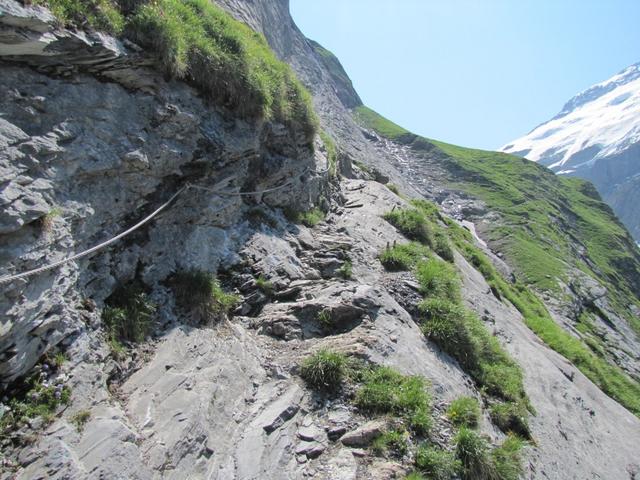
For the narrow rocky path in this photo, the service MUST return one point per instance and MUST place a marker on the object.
(227, 402)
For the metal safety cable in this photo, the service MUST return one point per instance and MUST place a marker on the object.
(28, 273)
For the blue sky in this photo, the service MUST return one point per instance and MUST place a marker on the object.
(477, 73)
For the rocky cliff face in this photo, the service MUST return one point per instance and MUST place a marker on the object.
(93, 140)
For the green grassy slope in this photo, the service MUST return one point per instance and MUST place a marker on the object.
(549, 225)
(549, 222)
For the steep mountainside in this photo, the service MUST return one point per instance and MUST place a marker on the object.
(274, 295)
(596, 136)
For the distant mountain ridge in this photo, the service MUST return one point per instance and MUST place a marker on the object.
(596, 136)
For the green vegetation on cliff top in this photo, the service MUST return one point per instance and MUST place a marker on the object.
(197, 41)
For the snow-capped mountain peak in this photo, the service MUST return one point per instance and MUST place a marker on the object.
(596, 136)
(602, 121)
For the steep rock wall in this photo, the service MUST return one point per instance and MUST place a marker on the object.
(91, 146)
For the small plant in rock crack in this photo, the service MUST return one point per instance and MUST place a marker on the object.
(48, 220)
(324, 370)
(310, 218)
(264, 285)
(127, 316)
(346, 270)
(324, 318)
(38, 395)
(393, 188)
(200, 293)
(80, 419)
(392, 443)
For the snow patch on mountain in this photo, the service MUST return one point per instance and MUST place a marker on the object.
(602, 121)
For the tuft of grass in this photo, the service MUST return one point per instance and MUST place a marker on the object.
(511, 417)
(200, 293)
(435, 463)
(310, 218)
(404, 257)
(394, 188)
(231, 64)
(324, 370)
(385, 391)
(128, 315)
(331, 152)
(412, 223)
(438, 279)
(98, 14)
(324, 318)
(49, 219)
(508, 459)
(346, 270)
(393, 443)
(474, 455)
(442, 246)
(264, 285)
(465, 412)
(80, 419)
(414, 476)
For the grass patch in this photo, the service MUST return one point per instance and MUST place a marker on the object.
(128, 316)
(324, 370)
(511, 417)
(507, 459)
(435, 463)
(310, 218)
(474, 454)
(393, 443)
(462, 334)
(264, 285)
(479, 462)
(346, 270)
(393, 188)
(48, 220)
(412, 223)
(324, 318)
(442, 246)
(404, 256)
(197, 41)
(80, 419)
(385, 391)
(465, 412)
(438, 279)
(98, 14)
(199, 293)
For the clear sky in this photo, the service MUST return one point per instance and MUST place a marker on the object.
(477, 73)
